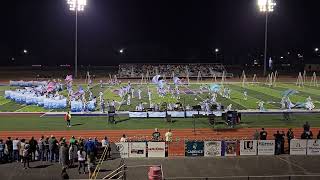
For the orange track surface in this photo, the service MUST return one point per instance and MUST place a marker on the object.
(181, 134)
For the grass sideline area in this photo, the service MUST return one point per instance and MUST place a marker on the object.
(36, 123)
(256, 92)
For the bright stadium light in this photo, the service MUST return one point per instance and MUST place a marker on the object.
(316, 49)
(76, 5)
(216, 50)
(25, 51)
(266, 6)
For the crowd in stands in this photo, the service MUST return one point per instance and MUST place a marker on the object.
(136, 70)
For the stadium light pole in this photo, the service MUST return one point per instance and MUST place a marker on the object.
(76, 5)
(266, 6)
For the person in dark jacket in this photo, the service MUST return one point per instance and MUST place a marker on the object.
(53, 146)
(290, 136)
(10, 148)
(263, 134)
(33, 147)
(64, 155)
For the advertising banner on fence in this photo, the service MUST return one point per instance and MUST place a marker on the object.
(120, 150)
(156, 149)
(313, 147)
(194, 148)
(248, 147)
(266, 147)
(212, 148)
(137, 149)
(230, 148)
(298, 147)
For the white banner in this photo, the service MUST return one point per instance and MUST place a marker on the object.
(313, 147)
(248, 147)
(298, 147)
(212, 148)
(157, 114)
(120, 150)
(137, 149)
(266, 147)
(156, 149)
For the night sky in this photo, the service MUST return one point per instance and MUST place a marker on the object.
(154, 31)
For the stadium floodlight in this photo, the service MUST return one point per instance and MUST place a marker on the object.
(76, 5)
(25, 51)
(316, 49)
(266, 6)
(216, 50)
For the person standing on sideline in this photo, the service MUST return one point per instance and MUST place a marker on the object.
(290, 136)
(41, 147)
(22, 145)
(263, 134)
(168, 136)
(81, 160)
(15, 147)
(33, 148)
(1, 150)
(26, 156)
(9, 148)
(67, 118)
(106, 144)
(123, 138)
(156, 135)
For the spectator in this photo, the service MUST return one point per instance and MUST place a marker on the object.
(81, 160)
(306, 127)
(72, 140)
(168, 136)
(277, 137)
(26, 156)
(156, 135)
(123, 138)
(90, 147)
(91, 164)
(41, 146)
(72, 154)
(318, 136)
(9, 149)
(21, 149)
(263, 134)
(106, 144)
(256, 135)
(290, 136)
(33, 147)
(2, 145)
(307, 135)
(46, 149)
(15, 147)
(64, 155)
(53, 146)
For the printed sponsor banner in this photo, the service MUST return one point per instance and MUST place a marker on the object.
(176, 148)
(230, 148)
(138, 114)
(266, 147)
(212, 148)
(156, 149)
(298, 147)
(248, 147)
(120, 150)
(177, 114)
(194, 148)
(137, 149)
(313, 147)
(157, 114)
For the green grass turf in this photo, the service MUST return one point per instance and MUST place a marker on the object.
(271, 95)
(34, 123)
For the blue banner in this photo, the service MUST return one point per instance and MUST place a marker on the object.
(194, 148)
